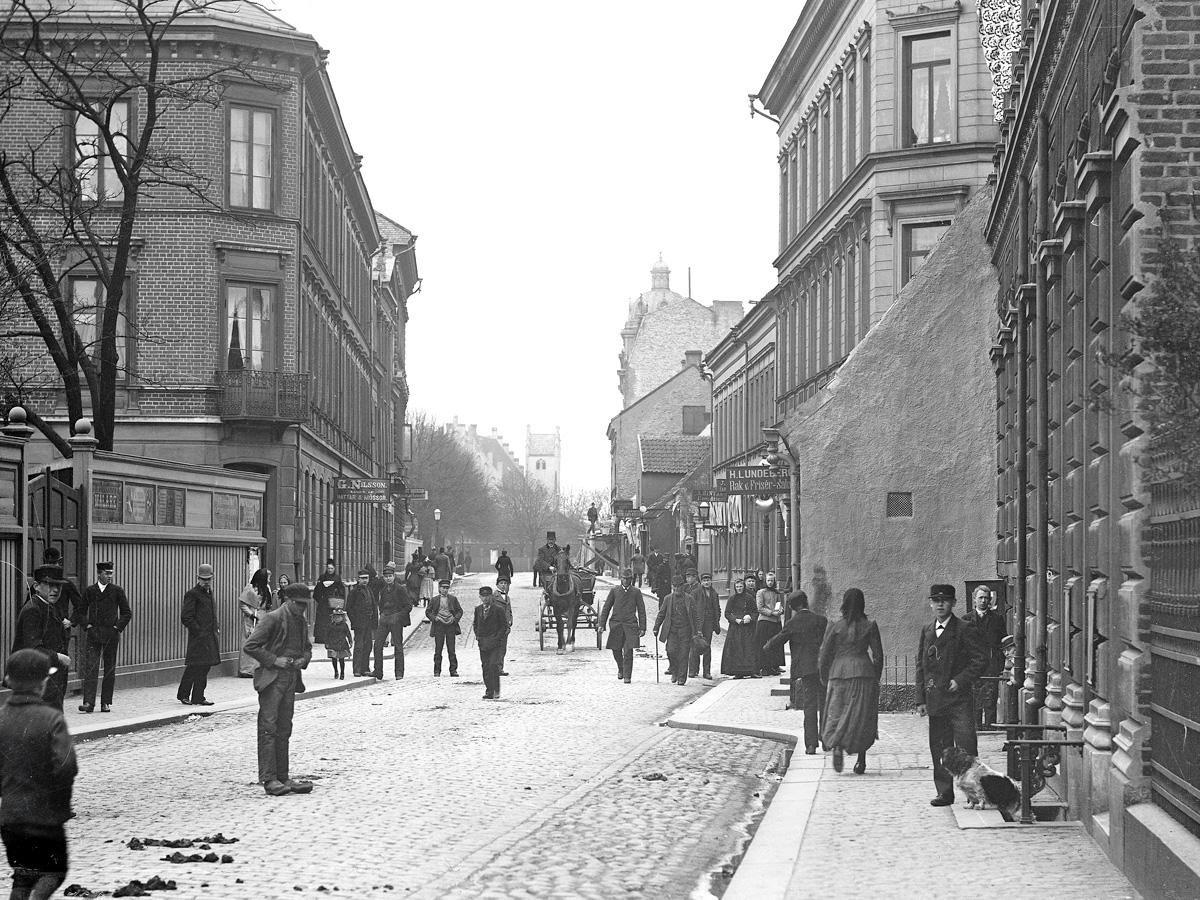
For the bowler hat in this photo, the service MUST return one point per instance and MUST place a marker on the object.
(297, 591)
(676, 580)
(942, 592)
(29, 665)
(49, 575)
(204, 572)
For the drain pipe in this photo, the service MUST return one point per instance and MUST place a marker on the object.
(1042, 404)
(1017, 708)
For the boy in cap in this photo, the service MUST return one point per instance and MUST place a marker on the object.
(37, 774)
(103, 614)
(40, 626)
(677, 627)
(395, 609)
(948, 661)
(490, 628)
(625, 608)
(281, 646)
(501, 599)
(443, 613)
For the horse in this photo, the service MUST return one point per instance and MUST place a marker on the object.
(562, 598)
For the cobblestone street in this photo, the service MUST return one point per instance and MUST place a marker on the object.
(425, 790)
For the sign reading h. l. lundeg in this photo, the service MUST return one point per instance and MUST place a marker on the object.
(756, 480)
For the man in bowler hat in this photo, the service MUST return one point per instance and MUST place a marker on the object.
(625, 609)
(199, 617)
(281, 646)
(948, 661)
(41, 626)
(103, 614)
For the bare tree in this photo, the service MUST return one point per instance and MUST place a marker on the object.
(527, 509)
(456, 483)
(99, 84)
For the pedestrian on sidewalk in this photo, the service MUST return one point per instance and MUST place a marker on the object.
(37, 776)
(281, 646)
(364, 617)
(329, 592)
(441, 565)
(770, 611)
(338, 642)
(504, 566)
(948, 662)
(444, 612)
(412, 578)
(625, 609)
(395, 608)
(851, 662)
(199, 617)
(490, 628)
(660, 578)
(739, 657)
(990, 632)
(708, 614)
(637, 565)
(502, 600)
(104, 614)
(804, 632)
(677, 627)
(255, 600)
(429, 588)
(467, 562)
(41, 626)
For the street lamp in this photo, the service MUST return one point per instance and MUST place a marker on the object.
(703, 510)
(437, 528)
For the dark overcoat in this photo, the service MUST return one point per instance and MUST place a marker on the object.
(708, 610)
(662, 623)
(955, 656)
(104, 614)
(361, 608)
(803, 632)
(626, 611)
(989, 632)
(199, 617)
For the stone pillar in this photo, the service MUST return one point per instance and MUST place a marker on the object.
(83, 450)
(1078, 782)
(1127, 783)
(16, 429)
(1097, 758)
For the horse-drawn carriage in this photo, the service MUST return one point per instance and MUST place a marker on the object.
(568, 598)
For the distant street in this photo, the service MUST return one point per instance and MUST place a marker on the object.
(425, 790)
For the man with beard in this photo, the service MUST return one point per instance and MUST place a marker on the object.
(546, 557)
(626, 609)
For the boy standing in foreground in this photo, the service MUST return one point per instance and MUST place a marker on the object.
(37, 773)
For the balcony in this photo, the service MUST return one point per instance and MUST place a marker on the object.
(251, 395)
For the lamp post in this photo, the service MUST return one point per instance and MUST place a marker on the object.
(773, 456)
(437, 528)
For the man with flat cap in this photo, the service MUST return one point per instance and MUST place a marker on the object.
(625, 609)
(282, 649)
(103, 615)
(949, 659)
(491, 625)
(199, 617)
(501, 599)
(803, 633)
(41, 626)
(395, 609)
(364, 618)
(708, 613)
(444, 612)
(677, 627)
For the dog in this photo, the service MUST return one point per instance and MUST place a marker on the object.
(982, 784)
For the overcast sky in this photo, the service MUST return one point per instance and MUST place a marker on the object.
(545, 153)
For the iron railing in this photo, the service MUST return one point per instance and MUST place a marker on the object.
(255, 395)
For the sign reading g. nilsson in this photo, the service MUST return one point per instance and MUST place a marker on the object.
(755, 480)
(361, 490)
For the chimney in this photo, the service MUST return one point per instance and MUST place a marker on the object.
(692, 357)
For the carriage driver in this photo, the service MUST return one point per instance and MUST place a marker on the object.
(628, 611)
(546, 557)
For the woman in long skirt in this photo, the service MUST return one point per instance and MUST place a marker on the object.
(851, 663)
(739, 656)
(428, 581)
(770, 612)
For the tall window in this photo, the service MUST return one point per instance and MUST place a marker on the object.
(93, 163)
(251, 145)
(916, 242)
(87, 309)
(929, 116)
(247, 326)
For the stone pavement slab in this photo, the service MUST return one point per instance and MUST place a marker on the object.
(875, 836)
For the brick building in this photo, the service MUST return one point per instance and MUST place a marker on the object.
(1098, 159)
(265, 329)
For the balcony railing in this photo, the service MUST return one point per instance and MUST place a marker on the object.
(251, 395)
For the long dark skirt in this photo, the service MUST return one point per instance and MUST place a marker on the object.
(739, 656)
(764, 630)
(851, 714)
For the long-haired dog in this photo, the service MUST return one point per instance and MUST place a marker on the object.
(982, 784)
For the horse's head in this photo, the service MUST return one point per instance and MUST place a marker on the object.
(562, 559)
(563, 580)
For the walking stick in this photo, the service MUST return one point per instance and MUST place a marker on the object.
(656, 679)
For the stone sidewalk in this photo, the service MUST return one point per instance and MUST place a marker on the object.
(875, 836)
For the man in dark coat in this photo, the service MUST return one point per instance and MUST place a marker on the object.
(804, 632)
(395, 608)
(199, 617)
(504, 566)
(948, 661)
(677, 627)
(637, 564)
(329, 586)
(660, 578)
(593, 516)
(501, 599)
(441, 565)
(364, 617)
(104, 614)
(625, 608)
(990, 631)
(444, 612)
(41, 626)
(546, 557)
(708, 614)
(491, 625)
(280, 645)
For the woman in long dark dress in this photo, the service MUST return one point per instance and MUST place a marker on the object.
(739, 657)
(851, 662)
(329, 586)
